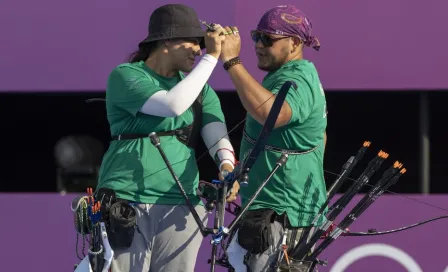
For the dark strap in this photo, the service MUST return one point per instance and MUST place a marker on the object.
(277, 149)
(133, 136)
(284, 221)
(188, 135)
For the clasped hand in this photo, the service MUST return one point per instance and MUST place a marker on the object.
(223, 42)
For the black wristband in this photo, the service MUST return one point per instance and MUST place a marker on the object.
(232, 62)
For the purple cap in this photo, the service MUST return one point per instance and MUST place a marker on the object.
(287, 20)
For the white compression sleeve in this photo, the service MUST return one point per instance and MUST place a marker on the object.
(215, 133)
(176, 101)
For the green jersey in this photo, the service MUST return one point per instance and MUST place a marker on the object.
(298, 188)
(135, 168)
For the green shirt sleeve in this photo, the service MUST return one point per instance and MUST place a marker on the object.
(129, 88)
(300, 100)
(211, 107)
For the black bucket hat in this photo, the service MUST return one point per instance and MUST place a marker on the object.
(174, 21)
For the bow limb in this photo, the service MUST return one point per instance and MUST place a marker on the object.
(373, 232)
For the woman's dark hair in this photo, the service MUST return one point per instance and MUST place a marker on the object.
(142, 54)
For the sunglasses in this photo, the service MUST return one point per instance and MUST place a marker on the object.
(266, 40)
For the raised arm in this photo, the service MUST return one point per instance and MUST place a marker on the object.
(133, 90)
(181, 97)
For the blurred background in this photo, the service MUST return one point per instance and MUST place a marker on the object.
(382, 64)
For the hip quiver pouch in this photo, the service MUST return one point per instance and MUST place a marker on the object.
(122, 225)
(254, 233)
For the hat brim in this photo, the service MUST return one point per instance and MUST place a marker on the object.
(176, 33)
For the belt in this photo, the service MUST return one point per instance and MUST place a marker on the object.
(278, 149)
(131, 136)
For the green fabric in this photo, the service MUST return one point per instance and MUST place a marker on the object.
(135, 168)
(298, 188)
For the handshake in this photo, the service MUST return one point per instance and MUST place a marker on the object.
(222, 42)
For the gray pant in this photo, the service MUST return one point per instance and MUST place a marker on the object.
(167, 239)
(267, 260)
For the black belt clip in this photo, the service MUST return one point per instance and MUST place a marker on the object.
(181, 135)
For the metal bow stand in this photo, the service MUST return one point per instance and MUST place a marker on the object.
(219, 231)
